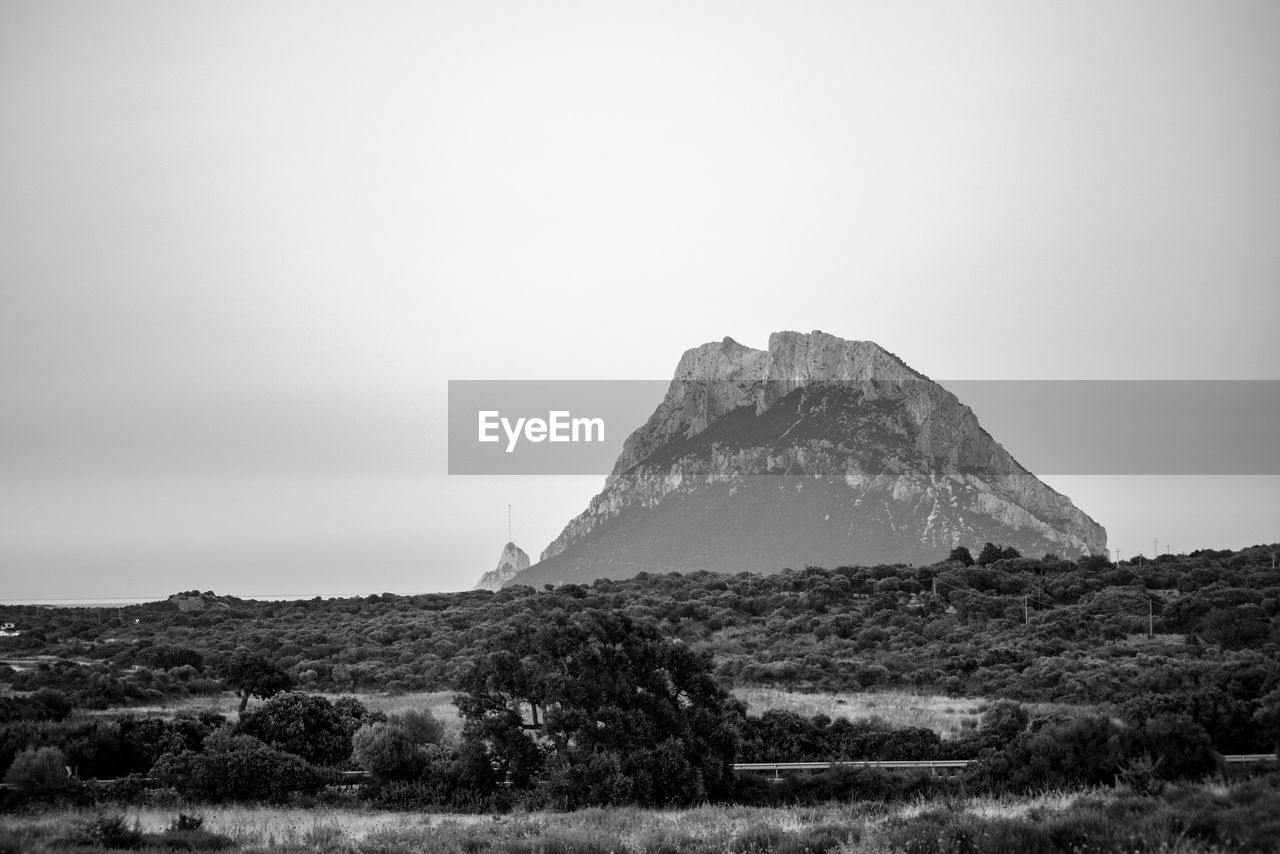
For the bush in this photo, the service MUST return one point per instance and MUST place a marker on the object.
(1004, 721)
(1179, 747)
(1085, 752)
(238, 768)
(109, 830)
(422, 727)
(38, 771)
(388, 752)
(307, 725)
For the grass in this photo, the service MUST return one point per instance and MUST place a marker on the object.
(636, 830)
(1195, 819)
(948, 716)
(439, 703)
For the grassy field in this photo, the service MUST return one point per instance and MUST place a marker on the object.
(703, 829)
(1204, 818)
(948, 716)
(439, 703)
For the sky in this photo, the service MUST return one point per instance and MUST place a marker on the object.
(246, 246)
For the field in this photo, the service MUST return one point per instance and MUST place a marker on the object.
(262, 828)
(948, 716)
(1194, 819)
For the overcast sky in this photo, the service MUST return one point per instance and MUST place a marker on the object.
(245, 245)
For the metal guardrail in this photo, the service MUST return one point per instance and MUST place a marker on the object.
(856, 763)
(1250, 758)
(777, 768)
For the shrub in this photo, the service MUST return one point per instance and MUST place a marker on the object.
(1178, 745)
(420, 725)
(109, 830)
(387, 751)
(1004, 720)
(238, 768)
(305, 725)
(567, 841)
(38, 771)
(12, 843)
(1085, 752)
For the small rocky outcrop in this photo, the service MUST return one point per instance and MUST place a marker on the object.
(194, 602)
(512, 561)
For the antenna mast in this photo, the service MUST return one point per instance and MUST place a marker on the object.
(509, 540)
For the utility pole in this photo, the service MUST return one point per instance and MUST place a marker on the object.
(1026, 612)
(1151, 620)
(1155, 549)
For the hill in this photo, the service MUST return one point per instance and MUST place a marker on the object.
(1026, 629)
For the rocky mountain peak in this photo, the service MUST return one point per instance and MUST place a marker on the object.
(815, 451)
(512, 561)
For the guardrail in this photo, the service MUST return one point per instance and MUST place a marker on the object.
(936, 765)
(778, 768)
(1249, 758)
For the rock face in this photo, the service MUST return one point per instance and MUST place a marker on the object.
(195, 601)
(818, 451)
(512, 561)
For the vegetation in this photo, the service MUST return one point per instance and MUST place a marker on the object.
(618, 693)
(1033, 630)
(603, 710)
(1189, 819)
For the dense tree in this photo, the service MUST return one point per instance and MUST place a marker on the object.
(603, 706)
(38, 770)
(1080, 752)
(390, 751)
(1004, 720)
(962, 555)
(1179, 746)
(250, 674)
(308, 725)
(168, 656)
(990, 554)
(1268, 717)
(237, 768)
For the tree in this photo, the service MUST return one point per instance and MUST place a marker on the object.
(237, 768)
(167, 657)
(1268, 717)
(307, 725)
(252, 675)
(38, 770)
(603, 708)
(990, 554)
(1003, 721)
(422, 727)
(1179, 746)
(400, 748)
(1083, 752)
(961, 554)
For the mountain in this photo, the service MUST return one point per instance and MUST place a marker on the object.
(513, 560)
(817, 451)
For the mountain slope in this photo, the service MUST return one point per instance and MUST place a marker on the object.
(817, 451)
